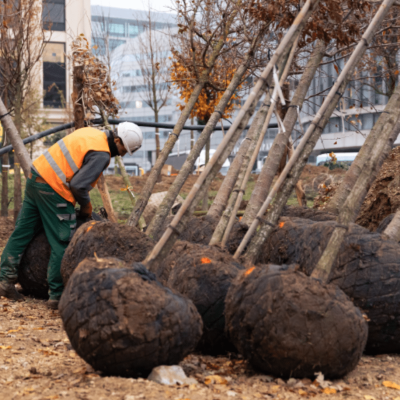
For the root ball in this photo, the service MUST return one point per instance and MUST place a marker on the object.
(106, 240)
(123, 322)
(204, 275)
(290, 325)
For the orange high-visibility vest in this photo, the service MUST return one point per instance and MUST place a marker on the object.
(64, 159)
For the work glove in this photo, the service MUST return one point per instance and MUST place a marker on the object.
(86, 211)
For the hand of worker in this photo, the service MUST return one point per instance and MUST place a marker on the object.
(86, 211)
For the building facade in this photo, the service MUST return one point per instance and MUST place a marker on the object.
(64, 20)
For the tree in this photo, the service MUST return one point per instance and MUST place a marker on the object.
(149, 49)
(212, 37)
(22, 43)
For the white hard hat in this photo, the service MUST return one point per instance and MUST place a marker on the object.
(131, 136)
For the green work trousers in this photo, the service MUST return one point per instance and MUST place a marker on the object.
(42, 208)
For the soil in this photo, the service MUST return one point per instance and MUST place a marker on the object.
(288, 324)
(204, 274)
(105, 239)
(383, 198)
(367, 270)
(123, 322)
(38, 363)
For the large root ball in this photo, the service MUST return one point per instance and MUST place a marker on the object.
(123, 322)
(32, 273)
(290, 325)
(106, 240)
(367, 269)
(204, 275)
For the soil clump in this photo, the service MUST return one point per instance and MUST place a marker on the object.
(203, 274)
(123, 322)
(383, 197)
(367, 270)
(290, 325)
(105, 239)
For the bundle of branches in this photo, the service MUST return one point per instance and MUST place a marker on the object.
(97, 93)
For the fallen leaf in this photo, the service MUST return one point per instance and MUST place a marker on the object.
(205, 260)
(391, 385)
(5, 347)
(367, 397)
(302, 392)
(38, 329)
(329, 391)
(215, 379)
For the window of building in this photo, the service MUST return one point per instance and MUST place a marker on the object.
(116, 29)
(133, 30)
(54, 75)
(53, 15)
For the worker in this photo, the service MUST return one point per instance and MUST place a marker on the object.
(61, 177)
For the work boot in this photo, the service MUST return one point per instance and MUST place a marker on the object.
(8, 290)
(53, 304)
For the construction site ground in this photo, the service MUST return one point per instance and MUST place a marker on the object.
(38, 362)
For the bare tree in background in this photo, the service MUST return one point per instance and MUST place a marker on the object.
(22, 42)
(150, 50)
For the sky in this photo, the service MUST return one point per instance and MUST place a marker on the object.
(156, 5)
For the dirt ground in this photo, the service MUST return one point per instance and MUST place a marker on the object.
(37, 362)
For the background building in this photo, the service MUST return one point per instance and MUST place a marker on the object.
(65, 20)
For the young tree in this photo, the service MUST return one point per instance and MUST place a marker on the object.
(149, 49)
(22, 42)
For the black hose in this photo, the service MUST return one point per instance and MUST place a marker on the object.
(60, 128)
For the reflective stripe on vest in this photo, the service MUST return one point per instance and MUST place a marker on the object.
(68, 156)
(56, 168)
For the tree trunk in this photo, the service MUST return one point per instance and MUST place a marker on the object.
(224, 227)
(221, 200)
(300, 194)
(279, 146)
(106, 199)
(205, 198)
(393, 229)
(169, 237)
(358, 164)
(187, 168)
(79, 110)
(4, 188)
(271, 219)
(169, 145)
(349, 210)
(17, 189)
(16, 140)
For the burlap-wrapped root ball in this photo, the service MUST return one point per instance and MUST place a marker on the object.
(290, 325)
(204, 275)
(105, 239)
(367, 269)
(123, 322)
(32, 273)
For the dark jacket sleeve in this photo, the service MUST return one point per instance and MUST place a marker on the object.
(93, 165)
